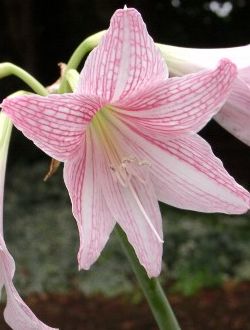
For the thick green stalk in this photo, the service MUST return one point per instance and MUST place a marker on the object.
(81, 51)
(152, 289)
(8, 69)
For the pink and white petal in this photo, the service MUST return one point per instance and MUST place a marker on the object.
(244, 74)
(134, 205)
(124, 207)
(6, 262)
(95, 222)
(180, 105)
(55, 123)
(125, 60)
(186, 173)
(17, 314)
(235, 114)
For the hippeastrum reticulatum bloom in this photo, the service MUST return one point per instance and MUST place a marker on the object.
(127, 137)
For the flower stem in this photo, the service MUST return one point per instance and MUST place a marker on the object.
(7, 69)
(152, 289)
(82, 50)
(5, 133)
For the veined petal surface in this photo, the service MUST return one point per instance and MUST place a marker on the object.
(186, 174)
(124, 207)
(244, 75)
(180, 105)
(17, 314)
(235, 114)
(95, 222)
(55, 123)
(200, 181)
(134, 205)
(128, 192)
(125, 60)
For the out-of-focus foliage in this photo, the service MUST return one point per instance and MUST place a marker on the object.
(205, 250)
(199, 250)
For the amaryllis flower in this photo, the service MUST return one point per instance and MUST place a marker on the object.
(17, 314)
(235, 114)
(127, 138)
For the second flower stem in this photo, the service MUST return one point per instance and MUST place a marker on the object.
(8, 69)
(80, 52)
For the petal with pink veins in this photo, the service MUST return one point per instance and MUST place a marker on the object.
(244, 75)
(129, 205)
(200, 183)
(180, 105)
(55, 123)
(235, 114)
(186, 173)
(125, 60)
(129, 194)
(17, 314)
(95, 222)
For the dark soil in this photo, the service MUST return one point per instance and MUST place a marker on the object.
(213, 309)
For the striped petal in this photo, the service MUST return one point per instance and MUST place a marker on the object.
(94, 220)
(124, 205)
(186, 173)
(235, 114)
(17, 314)
(189, 176)
(125, 60)
(133, 203)
(180, 105)
(244, 74)
(55, 123)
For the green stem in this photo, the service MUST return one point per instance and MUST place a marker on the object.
(82, 50)
(7, 69)
(152, 289)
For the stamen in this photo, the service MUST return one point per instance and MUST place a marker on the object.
(124, 172)
(124, 176)
(117, 176)
(144, 162)
(122, 181)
